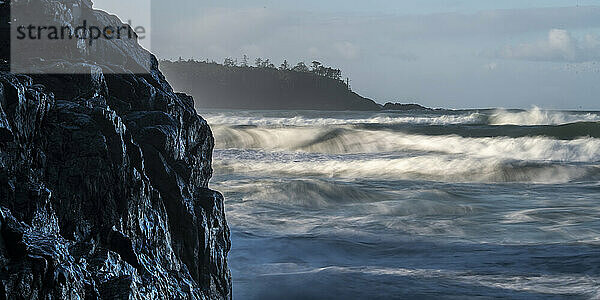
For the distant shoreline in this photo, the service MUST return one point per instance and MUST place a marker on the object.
(217, 86)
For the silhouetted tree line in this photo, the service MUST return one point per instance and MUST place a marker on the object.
(259, 84)
(315, 68)
(240, 84)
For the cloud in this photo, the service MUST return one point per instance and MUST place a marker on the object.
(347, 50)
(491, 66)
(560, 45)
(225, 32)
(428, 56)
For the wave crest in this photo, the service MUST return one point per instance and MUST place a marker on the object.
(537, 116)
(428, 168)
(224, 119)
(351, 140)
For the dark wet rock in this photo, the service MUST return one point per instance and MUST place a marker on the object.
(104, 188)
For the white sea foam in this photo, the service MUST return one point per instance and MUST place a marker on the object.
(321, 140)
(550, 284)
(537, 116)
(534, 116)
(224, 119)
(428, 167)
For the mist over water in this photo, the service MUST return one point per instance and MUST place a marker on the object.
(390, 205)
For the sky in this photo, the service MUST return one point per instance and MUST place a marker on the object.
(451, 54)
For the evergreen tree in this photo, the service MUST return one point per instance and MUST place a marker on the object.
(301, 67)
(285, 66)
(315, 66)
(229, 62)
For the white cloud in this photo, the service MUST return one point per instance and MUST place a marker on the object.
(348, 50)
(491, 66)
(560, 45)
(314, 51)
(591, 41)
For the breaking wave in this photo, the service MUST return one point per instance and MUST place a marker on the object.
(428, 168)
(533, 117)
(344, 141)
(223, 119)
(537, 116)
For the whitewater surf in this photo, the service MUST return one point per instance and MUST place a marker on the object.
(472, 203)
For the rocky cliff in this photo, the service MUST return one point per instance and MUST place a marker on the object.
(104, 183)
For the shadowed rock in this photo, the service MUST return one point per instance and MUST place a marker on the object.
(104, 185)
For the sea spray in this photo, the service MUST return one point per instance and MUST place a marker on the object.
(537, 116)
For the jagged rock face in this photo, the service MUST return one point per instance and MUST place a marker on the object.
(104, 190)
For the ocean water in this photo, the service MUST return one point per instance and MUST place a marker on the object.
(411, 205)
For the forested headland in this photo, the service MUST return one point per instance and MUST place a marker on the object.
(262, 85)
